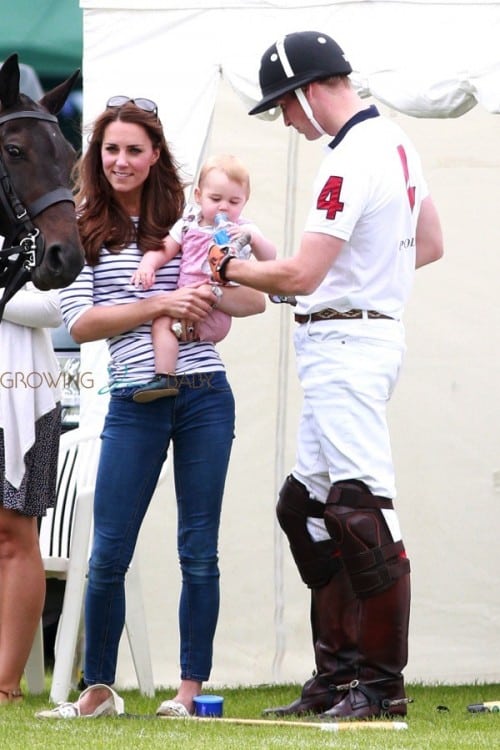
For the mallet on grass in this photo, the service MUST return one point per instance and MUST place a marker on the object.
(325, 726)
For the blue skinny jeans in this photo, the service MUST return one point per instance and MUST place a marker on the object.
(135, 439)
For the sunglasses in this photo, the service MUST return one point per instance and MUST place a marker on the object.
(145, 104)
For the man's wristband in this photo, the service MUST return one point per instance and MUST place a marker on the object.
(222, 267)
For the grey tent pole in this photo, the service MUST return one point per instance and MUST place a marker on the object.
(281, 412)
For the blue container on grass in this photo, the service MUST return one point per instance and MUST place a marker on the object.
(208, 705)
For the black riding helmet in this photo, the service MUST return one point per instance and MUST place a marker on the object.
(297, 59)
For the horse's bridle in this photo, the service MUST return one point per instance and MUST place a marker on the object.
(28, 252)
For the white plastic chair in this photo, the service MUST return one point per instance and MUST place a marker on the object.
(65, 536)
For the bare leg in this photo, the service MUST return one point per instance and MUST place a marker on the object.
(22, 595)
(165, 345)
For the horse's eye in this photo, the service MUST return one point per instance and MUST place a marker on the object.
(13, 151)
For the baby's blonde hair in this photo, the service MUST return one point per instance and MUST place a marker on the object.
(232, 168)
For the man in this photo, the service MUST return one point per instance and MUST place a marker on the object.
(372, 222)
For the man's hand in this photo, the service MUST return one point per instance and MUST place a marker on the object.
(218, 257)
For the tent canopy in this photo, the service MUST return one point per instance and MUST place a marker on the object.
(423, 58)
(426, 59)
(48, 35)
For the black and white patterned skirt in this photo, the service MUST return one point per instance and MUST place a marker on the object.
(37, 491)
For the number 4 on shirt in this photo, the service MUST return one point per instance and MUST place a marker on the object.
(329, 197)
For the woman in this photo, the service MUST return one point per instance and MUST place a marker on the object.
(130, 194)
(30, 425)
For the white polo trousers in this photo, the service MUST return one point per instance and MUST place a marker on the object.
(348, 370)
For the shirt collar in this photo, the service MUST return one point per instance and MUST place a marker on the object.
(365, 114)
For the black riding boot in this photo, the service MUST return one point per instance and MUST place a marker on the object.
(334, 622)
(378, 687)
(379, 572)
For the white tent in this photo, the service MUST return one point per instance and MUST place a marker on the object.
(427, 65)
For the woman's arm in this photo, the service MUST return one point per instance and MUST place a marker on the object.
(103, 321)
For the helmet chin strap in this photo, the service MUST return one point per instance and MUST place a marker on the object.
(308, 111)
(280, 48)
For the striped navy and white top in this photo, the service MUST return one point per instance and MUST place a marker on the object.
(132, 357)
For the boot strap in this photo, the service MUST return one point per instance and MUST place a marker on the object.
(372, 694)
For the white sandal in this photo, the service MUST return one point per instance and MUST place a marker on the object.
(173, 708)
(112, 706)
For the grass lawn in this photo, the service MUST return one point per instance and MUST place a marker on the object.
(437, 719)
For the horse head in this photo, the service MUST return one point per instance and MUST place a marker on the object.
(36, 202)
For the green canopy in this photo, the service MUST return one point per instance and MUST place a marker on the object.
(46, 34)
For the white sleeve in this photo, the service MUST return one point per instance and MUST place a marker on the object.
(34, 309)
(78, 297)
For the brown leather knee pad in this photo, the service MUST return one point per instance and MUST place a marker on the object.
(316, 562)
(354, 519)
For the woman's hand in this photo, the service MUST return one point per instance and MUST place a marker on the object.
(187, 303)
(103, 321)
(185, 330)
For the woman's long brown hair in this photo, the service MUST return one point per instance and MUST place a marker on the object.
(101, 219)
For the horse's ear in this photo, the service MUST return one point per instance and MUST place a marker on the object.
(54, 99)
(9, 81)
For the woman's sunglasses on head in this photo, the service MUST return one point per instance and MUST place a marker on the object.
(147, 105)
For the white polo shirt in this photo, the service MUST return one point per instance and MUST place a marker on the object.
(367, 192)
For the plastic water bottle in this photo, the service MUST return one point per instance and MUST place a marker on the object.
(221, 235)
